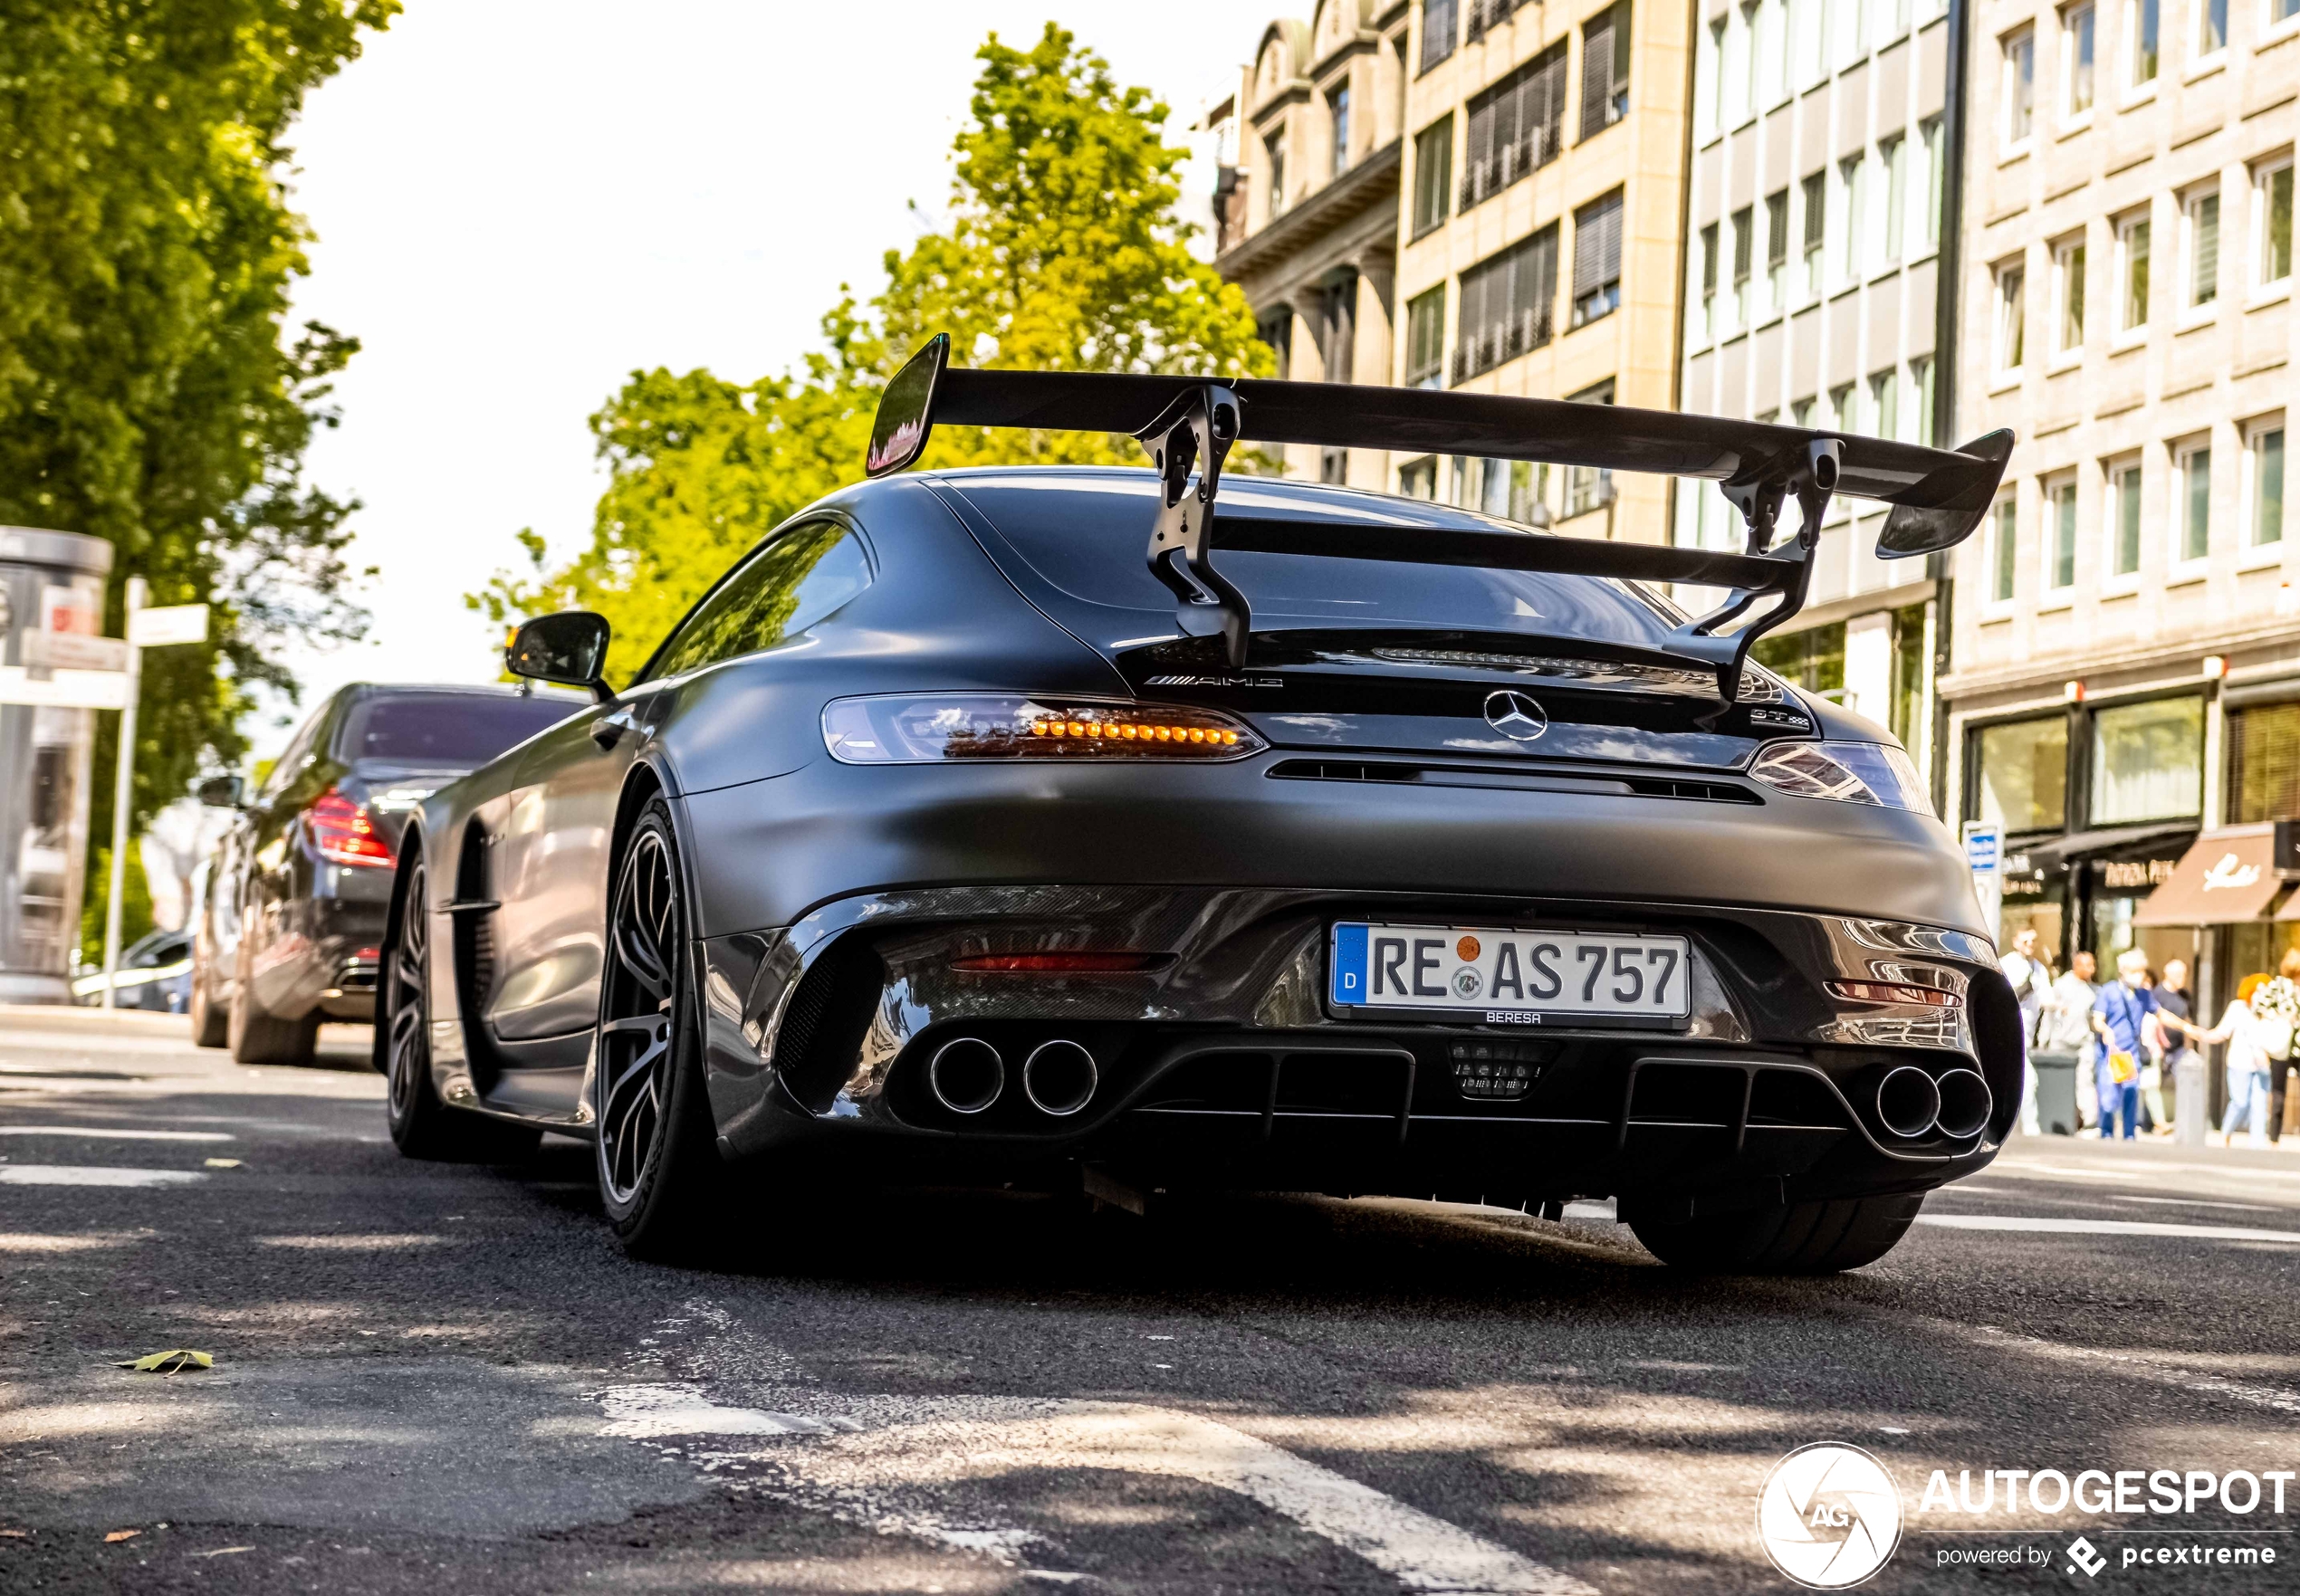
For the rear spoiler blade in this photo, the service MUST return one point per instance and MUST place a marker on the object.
(1189, 424)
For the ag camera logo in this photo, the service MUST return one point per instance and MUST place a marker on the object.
(1829, 1516)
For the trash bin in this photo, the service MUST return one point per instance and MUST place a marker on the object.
(2191, 1100)
(2055, 1092)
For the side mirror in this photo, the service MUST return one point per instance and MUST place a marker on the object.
(222, 792)
(568, 648)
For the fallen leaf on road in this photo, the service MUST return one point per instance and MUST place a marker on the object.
(171, 1362)
(226, 1163)
(222, 1550)
(121, 1535)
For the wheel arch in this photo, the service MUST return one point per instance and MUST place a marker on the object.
(409, 849)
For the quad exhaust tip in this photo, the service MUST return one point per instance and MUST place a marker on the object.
(1908, 1102)
(967, 1075)
(1059, 1078)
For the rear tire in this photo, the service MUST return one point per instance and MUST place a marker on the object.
(257, 1038)
(422, 1126)
(658, 1157)
(1799, 1238)
(211, 1026)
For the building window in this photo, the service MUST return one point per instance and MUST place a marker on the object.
(1276, 147)
(2068, 294)
(1433, 173)
(2124, 490)
(2012, 318)
(1816, 194)
(1338, 116)
(2021, 774)
(1812, 659)
(1596, 259)
(1744, 253)
(1841, 407)
(2264, 764)
(1808, 49)
(2141, 27)
(1425, 340)
(1708, 281)
(2076, 61)
(2060, 515)
(2280, 11)
(2193, 475)
(2131, 272)
(1920, 374)
(2004, 563)
(1604, 69)
(1337, 328)
(1884, 404)
(2148, 762)
(2211, 27)
(1507, 305)
(1277, 330)
(1515, 126)
(2200, 240)
(1333, 465)
(1587, 488)
(2021, 86)
(1777, 250)
(2264, 482)
(1441, 26)
(1733, 66)
(1894, 154)
(1854, 176)
(2272, 219)
(1935, 144)
(1417, 479)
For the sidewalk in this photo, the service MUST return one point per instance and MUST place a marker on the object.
(2151, 1149)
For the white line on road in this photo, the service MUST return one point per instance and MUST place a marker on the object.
(112, 1134)
(2103, 1227)
(651, 1412)
(93, 1175)
(2138, 1170)
(2249, 1207)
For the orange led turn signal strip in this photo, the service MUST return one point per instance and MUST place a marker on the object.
(1129, 731)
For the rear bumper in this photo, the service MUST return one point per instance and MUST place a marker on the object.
(1225, 1067)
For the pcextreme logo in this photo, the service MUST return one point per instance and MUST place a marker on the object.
(1829, 1516)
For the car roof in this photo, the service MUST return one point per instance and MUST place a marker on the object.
(1279, 496)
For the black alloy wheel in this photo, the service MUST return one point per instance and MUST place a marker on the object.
(422, 1126)
(657, 1158)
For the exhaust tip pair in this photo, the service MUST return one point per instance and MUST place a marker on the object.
(1912, 1103)
(967, 1074)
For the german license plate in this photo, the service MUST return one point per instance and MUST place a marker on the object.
(1494, 976)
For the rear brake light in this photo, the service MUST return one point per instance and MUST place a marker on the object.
(343, 831)
(1905, 992)
(927, 726)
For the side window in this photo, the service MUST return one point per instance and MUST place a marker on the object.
(294, 758)
(787, 587)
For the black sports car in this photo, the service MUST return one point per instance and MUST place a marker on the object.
(290, 930)
(1347, 844)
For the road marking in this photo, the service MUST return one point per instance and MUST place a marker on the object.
(2273, 1397)
(2249, 1207)
(2140, 1171)
(2103, 1227)
(112, 1134)
(93, 1175)
(652, 1412)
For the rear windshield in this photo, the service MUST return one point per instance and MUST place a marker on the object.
(457, 729)
(1087, 535)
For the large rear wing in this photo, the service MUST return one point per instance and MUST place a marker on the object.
(1188, 425)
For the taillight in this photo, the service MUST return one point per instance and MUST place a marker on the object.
(343, 832)
(919, 728)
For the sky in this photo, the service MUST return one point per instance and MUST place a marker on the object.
(518, 204)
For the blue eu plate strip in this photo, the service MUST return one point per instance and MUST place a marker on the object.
(1349, 963)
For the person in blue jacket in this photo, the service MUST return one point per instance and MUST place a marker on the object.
(2120, 1016)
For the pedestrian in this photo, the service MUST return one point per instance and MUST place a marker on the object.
(2277, 1003)
(2168, 1042)
(2120, 1020)
(2247, 1035)
(2031, 982)
(2066, 1031)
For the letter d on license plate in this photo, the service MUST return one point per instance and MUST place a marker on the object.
(1496, 976)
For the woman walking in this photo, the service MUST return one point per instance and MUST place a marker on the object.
(2247, 1035)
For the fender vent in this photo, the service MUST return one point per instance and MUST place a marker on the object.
(823, 1027)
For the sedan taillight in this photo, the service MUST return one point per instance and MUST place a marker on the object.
(343, 831)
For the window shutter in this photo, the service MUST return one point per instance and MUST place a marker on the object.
(1597, 245)
(1597, 74)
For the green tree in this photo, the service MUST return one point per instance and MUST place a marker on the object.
(1063, 253)
(152, 392)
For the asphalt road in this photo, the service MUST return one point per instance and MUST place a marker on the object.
(433, 1379)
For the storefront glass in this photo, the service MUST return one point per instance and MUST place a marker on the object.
(2022, 768)
(2148, 762)
(2263, 763)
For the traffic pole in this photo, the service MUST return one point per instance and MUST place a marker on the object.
(123, 783)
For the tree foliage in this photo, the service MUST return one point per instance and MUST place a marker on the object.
(152, 392)
(1062, 252)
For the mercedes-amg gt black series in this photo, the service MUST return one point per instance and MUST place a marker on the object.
(291, 927)
(1344, 843)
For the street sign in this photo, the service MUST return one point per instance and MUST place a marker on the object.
(65, 690)
(178, 623)
(74, 651)
(1983, 848)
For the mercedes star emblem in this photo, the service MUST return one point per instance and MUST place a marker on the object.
(1516, 716)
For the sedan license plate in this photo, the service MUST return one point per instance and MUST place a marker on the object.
(1497, 977)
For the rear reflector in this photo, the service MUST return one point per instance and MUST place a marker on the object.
(1895, 993)
(1060, 963)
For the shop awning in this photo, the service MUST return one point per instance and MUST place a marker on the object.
(2226, 878)
(2054, 852)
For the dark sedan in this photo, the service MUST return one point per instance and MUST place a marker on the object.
(293, 922)
(1053, 826)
